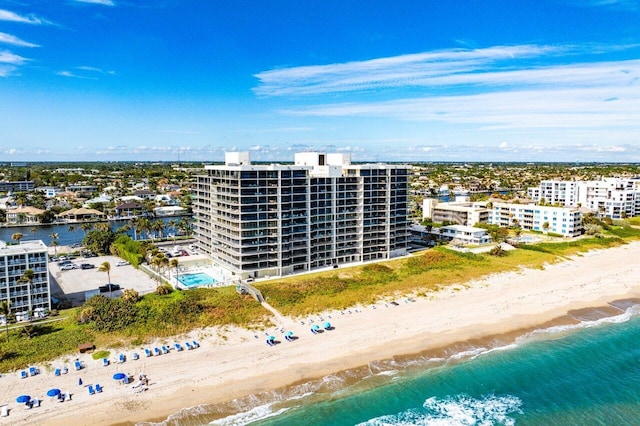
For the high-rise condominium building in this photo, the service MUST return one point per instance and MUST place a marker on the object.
(273, 220)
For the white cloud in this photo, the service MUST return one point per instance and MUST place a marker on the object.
(6, 15)
(102, 2)
(7, 57)
(9, 39)
(7, 70)
(73, 75)
(500, 65)
(94, 69)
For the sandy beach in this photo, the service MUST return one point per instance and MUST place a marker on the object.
(232, 363)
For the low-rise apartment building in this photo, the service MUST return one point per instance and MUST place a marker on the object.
(25, 298)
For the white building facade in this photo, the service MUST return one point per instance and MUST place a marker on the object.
(274, 220)
(610, 197)
(558, 220)
(24, 297)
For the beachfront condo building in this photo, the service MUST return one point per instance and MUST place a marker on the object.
(279, 219)
(25, 298)
(564, 221)
(461, 211)
(609, 197)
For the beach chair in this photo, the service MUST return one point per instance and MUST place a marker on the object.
(77, 365)
(195, 344)
(121, 358)
(147, 352)
(56, 372)
(35, 402)
(4, 411)
(156, 351)
(178, 347)
(105, 362)
(91, 390)
(135, 356)
(188, 345)
(33, 371)
(165, 349)
(98, 388)
(23, 374)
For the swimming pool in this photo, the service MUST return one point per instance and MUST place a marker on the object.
(195, 280)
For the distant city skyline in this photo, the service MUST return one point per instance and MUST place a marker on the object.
(169, 80)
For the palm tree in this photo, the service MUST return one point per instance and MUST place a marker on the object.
(174, 263)
(157, 226)
(5, 309)
(173, 226)
(105, 267)
(27, 277)
(86, 227)
(54, 243)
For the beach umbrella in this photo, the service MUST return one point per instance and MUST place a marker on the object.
(23, 398)
(289, 333)
(53, 392)
(119, 376)
(272, 338)
(315, 327)
(326, 325)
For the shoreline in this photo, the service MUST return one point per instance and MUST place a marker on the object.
(494, 309)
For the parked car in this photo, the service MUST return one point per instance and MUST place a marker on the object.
(108, 288)
(87, 266)
(68, 267)
(122, 263)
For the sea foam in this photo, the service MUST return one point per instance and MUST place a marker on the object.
(460, 410)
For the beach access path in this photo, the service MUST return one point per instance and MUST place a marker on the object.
(233, 362)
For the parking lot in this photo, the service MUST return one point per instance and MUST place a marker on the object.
(73, 284)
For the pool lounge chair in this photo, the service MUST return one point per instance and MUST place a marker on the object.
(165, 349)
(121, 358)
(178, 347)
(105, 362)
(91, 390)
(98, 388)
(156, 351)
(188, 345)
(147, 352)
(77, 365)
(135, 356)
(195, 344)
(23, 374)
(33, 371)
(56, 372)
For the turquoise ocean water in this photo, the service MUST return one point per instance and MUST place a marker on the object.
(582, 370)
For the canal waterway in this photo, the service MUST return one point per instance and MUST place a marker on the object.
(67, 236)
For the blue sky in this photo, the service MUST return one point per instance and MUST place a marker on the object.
(455, 80)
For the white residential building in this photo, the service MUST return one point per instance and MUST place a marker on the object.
(610, 197)
(464, 234)
(559, 220)
(273, 220)
(461, 212)
(24, 297)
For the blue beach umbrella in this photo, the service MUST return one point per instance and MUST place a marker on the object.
(119, 376)
(315, 327)
(326, 325)
(53, 392)
(272, 338)
(23, 398)
(289, 333)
